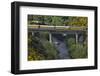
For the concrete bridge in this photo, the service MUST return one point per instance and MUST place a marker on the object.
(64, 30)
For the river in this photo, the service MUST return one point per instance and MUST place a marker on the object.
(59, 43)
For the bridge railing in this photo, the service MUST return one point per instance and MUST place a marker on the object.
(56, 27)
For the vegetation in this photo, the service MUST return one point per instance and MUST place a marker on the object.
(39, 48)
(35, 49)
(76, 50)
(51, 51)
(77, 21)
(58, 20)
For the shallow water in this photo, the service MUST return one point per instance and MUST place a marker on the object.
(59, 43)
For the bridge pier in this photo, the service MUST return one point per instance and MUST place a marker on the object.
(76, 35)
(32, 33)
(50, 38)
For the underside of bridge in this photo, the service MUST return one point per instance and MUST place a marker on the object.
(76, 34)
(64, 34)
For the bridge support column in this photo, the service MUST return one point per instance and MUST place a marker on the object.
(32, 33)
(50, 38)
(76, 37)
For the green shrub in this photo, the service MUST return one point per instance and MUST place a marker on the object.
(51, 51)
(78, 51)
(71, 41)
(40, 48)
(35, 49)
(34, 55)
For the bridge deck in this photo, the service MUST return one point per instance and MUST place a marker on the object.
(55, 28)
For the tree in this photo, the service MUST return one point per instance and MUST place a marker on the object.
(77, 21)
(48, 20)
(71, 41)
(51, 51)
(57, 21)
(78, 51)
